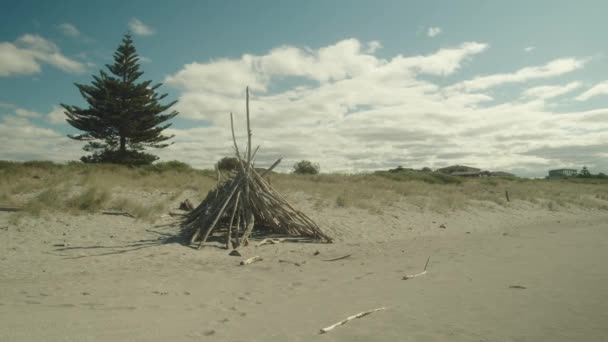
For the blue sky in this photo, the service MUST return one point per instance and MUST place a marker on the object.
(354, 85)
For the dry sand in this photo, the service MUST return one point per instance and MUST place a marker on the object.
(118, 279)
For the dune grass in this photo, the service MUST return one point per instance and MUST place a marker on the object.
(147, 192)
(85, 188)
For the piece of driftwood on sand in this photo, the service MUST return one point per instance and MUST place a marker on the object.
(251, 260)
(410, 276)
(12, 208)
(243, 201)
(339, 258)
(344, 321)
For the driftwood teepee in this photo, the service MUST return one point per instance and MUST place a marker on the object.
(246, 201)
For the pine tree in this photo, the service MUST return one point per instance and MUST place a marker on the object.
(124, 116)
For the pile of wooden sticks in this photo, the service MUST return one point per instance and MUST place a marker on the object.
(244, 201)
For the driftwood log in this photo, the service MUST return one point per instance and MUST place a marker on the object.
(410, 276)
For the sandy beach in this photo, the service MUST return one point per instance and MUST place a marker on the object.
(503, 274)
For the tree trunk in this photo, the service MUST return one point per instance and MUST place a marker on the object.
(123, 144)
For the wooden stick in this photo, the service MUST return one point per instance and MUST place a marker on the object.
(118, 213)
(217, 218)
(507, 195)
(406, 277)
(251, 260)
(250, 223)
(269, 242)
(238, 227)
(359, 315)
(255, 152)
(236, 146)
(290, 262)
(340, 258)
(271, 167)
(10, 208)
(236, 206)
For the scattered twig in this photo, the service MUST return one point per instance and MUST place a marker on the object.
(251, 260)
(290, 262)
(172, 213)
(10, 208)
(117, 213)
(517, 287)
(269, 242)
(340, 258)
(359, 315)
(409, 276)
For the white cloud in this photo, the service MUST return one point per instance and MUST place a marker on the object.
(69, 30)
(548, 92)
(210, 90)
(529, 48)
(144, 59)
(56, 115)
(433, 31)
(24, 57)
(349, 110)
(598, 89)
(370, 113)
(139, 28)
(23, 140)
(7, 105)
(554, 68)
(24, 113)
(373, 46)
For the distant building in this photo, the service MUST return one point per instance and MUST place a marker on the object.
(561, 173)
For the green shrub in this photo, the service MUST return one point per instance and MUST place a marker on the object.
(171, 165)
(228, 164)
(305, 167)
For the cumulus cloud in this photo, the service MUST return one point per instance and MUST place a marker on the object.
(553, 68)
(598, 89)
(28, 52)
(23, 140)
(24, 113)
(69, 30)
(433, 31)
(56, 115)
(548, 92)
(139, 28)
(373, 46)
(349, 110)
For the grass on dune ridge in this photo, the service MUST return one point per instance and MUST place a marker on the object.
(146, 192)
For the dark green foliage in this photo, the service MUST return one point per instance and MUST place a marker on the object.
(228, 164)
(172, 165)
(123, 116)
(305, 167)
(584, 173)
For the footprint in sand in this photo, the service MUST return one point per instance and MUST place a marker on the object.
(209, 332)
